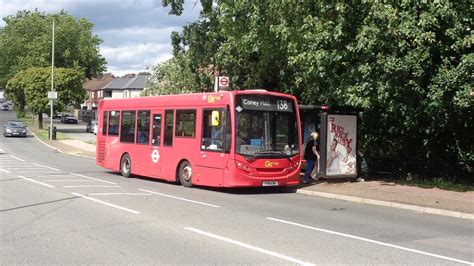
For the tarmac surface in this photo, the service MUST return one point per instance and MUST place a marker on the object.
(382, 193)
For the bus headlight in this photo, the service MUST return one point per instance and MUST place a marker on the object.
(242, 166)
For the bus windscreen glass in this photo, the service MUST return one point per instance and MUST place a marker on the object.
(266, 126)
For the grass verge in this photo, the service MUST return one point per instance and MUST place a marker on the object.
(43, 134)
(417, 181)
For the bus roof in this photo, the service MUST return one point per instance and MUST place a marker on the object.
(188, 99)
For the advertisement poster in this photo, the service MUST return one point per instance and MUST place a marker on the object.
(341, 143)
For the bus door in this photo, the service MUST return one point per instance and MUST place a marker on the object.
(155, 151)
(215, 147)
(168, 166)
(145, 155)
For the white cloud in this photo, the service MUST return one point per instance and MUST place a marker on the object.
(136, 56)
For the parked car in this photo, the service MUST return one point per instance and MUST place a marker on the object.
(14, 128)
(69, 118)
(92, 126)
(5, 107)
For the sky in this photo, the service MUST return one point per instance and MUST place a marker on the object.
(135, 33)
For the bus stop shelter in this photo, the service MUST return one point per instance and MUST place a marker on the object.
(338, 128)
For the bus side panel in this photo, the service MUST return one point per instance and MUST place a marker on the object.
(208, 176)
(113, 154)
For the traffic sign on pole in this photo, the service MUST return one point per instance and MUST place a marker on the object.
(52, 95)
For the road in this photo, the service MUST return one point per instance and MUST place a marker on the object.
(61, 209)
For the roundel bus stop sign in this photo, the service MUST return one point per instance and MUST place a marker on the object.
(223, 82)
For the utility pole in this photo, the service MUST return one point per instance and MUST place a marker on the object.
(52, 94)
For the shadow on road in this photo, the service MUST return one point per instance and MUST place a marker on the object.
(236, 191)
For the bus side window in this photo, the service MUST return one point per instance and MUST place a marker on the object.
(156, 140)
(213, 130)
(104, 123)
(143, 127)
(169, 117)
(114, 123)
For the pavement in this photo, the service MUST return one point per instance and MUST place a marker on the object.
(433, 201)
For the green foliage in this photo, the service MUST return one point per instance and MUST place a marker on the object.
(34, 83)
(407, 64)
(170, 77)
(25, 42)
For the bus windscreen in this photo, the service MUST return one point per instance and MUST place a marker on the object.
(266, 126)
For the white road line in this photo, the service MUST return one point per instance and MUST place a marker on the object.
(91, 178)
(371, 241)
(32, 172)
(173, 197)
(21, 160)
(26, 167)
(66, 180)
(111, 194)
(55, 169)
(5, 171)
(86, 186)
(261, 250)
(35, 181)
(105, 203)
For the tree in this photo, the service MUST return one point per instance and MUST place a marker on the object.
(170, 77)
(34, 83)
(25, 42)
(408, 65)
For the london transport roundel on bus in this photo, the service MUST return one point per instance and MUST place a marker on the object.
(155, 156)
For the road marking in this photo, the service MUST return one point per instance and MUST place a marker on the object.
(55, 169)
(178, 198)
(111, 194)
(66, 180)
(100, 180)
(254, 248)
(371, 241)
(85, 186)
(26, 167)
(5, 171)
(21, 160)
(105, 203)
(35, 181)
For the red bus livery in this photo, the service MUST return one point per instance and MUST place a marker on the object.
(223, 139)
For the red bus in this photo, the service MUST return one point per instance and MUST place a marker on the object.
(223, 139)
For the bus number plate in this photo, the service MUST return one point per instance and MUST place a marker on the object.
(270, 183)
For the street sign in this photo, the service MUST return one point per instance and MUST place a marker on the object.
(223, 83)
(52, 95)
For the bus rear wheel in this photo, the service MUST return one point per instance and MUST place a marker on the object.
(186, 174)
(126, 166)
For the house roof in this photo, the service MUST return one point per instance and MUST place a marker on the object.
(136, 82)
(116, 84)
(96, 84)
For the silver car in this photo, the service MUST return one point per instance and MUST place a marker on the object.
(14, 129)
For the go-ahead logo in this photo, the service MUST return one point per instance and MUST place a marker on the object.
(270, 164)
(213, 99)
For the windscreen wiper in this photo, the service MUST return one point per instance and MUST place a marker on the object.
(273, 154)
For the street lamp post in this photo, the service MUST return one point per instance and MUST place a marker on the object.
(51, 100)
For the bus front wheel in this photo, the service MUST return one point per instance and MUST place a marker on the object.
(126, 166)
(185, 174)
